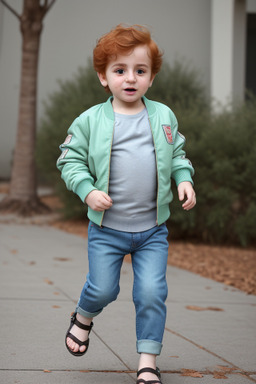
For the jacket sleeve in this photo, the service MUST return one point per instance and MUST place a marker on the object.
(182, 169)
(73, 161)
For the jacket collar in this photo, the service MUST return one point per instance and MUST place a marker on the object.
(109, 112)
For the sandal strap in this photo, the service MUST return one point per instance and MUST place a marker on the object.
(76, 340)
(81, 325)
(149, 370)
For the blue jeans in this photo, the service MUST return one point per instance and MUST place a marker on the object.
(149, 250)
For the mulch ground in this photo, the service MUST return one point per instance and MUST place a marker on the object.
(233, 266)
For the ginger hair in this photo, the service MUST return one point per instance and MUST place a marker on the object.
(122, 40)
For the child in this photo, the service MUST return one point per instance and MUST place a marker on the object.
(119, 157)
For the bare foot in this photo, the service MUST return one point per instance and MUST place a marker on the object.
(147, 376)
(79, 333)
(149, 361)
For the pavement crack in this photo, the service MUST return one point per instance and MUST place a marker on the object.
(241, 371)
(111, 350)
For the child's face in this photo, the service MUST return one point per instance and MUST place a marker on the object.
(128, 78)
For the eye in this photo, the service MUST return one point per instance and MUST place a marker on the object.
(140, 71)
(119, 71)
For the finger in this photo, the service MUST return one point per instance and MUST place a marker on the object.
(107, 205)
(107, 198)
(181, 194)
(189, 203)
(188, 207)
(105, 202)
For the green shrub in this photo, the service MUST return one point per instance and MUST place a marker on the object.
(220, 147)
(224, 158)
(178, 87)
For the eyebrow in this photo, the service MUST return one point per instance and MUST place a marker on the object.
(124, 65)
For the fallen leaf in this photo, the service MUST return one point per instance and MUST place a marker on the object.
(219, 375)
(197, 308)
(214, 309)
(241, 374)
(62, 259)
(14, 251)
(47, 371)
(56, 306)
(226, 369)
(191, 373)
(176, 357)
(47, 281)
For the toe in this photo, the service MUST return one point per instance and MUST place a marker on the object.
(71, 344)
(74, 346)
(82, 348)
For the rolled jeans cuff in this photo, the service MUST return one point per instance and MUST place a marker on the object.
(149, 346)
(87, 314)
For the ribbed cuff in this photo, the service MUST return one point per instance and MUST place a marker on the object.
(182, 175)
(83, 189)
(87, 314)
(149, 346)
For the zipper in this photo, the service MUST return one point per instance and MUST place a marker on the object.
(156, 171)
(108, 170)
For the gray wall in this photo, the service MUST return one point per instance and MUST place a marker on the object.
(180, 27)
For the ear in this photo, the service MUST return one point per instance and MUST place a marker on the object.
(103, 79)
(152, 79)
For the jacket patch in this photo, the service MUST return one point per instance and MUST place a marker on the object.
(63, 155)
(67, 140)
(168, 133)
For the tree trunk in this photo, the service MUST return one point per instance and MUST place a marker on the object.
(22, 196)
(23, 179)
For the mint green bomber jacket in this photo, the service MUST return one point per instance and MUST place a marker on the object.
(85, 159)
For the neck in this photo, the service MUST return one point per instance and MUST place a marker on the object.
(128, 108)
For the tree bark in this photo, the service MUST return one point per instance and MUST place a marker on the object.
(23, 178)
(22, 196)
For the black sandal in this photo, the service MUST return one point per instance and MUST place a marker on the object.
(151, 370)
(74, 321)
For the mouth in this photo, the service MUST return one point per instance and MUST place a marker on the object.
(130, 90)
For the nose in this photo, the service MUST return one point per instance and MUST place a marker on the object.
(130, 78)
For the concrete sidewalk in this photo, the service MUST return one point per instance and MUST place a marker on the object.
(41, 275)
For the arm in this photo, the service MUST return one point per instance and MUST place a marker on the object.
(98, 200)
(182, 172)
(186, 190)
(74, 166)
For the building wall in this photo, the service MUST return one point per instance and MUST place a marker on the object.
(184, 29)
(71, 28)
(228, 51)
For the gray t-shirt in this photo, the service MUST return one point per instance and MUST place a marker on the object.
(132, 184)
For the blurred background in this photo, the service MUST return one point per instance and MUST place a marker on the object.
(216, 37)
(208, 79)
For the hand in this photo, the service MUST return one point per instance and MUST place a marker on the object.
(185, 190)
(98, 200)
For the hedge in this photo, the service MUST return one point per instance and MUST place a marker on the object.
(221, 148)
